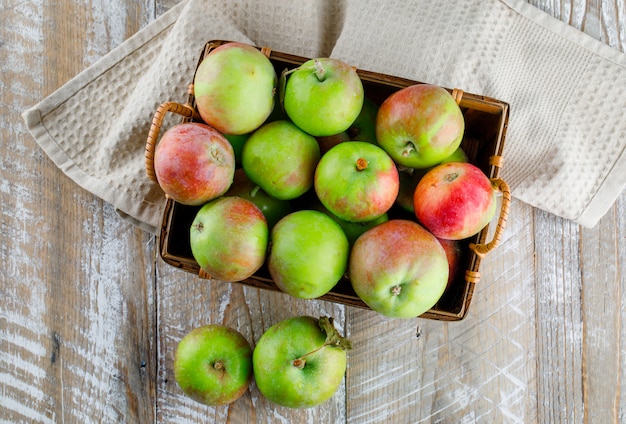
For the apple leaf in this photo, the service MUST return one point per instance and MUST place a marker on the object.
(333, 338)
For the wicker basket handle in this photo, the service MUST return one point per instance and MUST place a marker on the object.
(185, 110)
(482, 250)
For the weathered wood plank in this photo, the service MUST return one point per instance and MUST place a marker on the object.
(76, 318)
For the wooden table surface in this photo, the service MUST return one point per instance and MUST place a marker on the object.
(90, 315)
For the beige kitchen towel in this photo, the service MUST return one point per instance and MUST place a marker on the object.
(565, 148)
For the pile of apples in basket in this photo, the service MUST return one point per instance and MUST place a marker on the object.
(299, 171)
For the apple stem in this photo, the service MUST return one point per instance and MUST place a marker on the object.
(301, 361)
(361, 164)
(254, 191)
(333, 338)
(218, 366)
(320, 72)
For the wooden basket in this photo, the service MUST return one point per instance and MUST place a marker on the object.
(486, 122)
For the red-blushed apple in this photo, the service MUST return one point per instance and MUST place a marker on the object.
(323, 96)
(398, 268)
(213, 364)
(194, 163)
(409, 177)
(454, 253)
(420, 125)
(273, 209)
(300, 362)
(308, 254)
(281, 158)
(229, 238)
(234, 88)
(357, 181)
(454, 200)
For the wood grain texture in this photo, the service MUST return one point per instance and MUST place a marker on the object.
(76, 321)
(90, 316)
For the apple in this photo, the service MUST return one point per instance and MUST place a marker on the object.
(229, 238)
(323, 96)
(327, 142)
(364, 126)
(454, 253)
(234, 88)
(300, 362)
(308, 254)
(273, 209)
(454, 200)
(357, 181)
(213, 364)
(409, 177)
(237, 141)
(362, 129)
(281, 159)
(194, 163)
(352, 230)
(419, 125)
(398, 268)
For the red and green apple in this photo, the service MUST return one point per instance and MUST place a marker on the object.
(229, 238)
(398, 268)
(194, 163)
(420, 125)
(357, 181)
(234, 88)
(454, 200)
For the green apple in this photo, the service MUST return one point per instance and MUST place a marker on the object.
(281, 158)
(229, 238)
(213, 364)
(399, 269)
(357, 181)
(420, 125)
(234, 88)
(364, 126)
(323, 96)
(237, 141)
(308, 255)
(300, 362)
(353, 230)
(273, 209)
